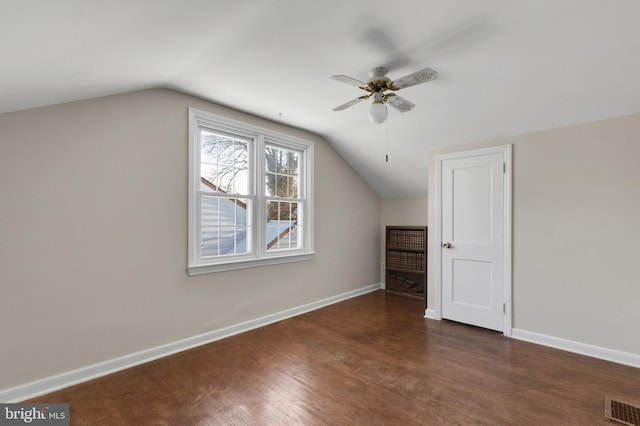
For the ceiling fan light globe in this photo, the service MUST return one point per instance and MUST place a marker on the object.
(377, 112)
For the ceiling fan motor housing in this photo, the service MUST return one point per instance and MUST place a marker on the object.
(378, 82)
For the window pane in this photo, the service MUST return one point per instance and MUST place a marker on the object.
(293, 187)
(282, 186)
(282, 172)
(210, 215)
(224, 226)
(241, 212)
(223, 163)
(271, 158)
(282, 226)
(270, 184)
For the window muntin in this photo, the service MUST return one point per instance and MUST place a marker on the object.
(234, 223)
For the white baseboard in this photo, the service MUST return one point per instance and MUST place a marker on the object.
(430, 314)
(69, 378)
(619, 357)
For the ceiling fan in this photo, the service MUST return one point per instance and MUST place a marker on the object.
(378, 84)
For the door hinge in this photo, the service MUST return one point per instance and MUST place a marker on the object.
(504, 167)
(504, 308)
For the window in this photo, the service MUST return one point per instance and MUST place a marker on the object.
(250, 195)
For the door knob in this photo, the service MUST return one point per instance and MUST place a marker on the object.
(446, 245)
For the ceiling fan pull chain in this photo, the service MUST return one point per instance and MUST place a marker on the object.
(386, 155)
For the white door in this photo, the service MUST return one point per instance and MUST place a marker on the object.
(473, 244)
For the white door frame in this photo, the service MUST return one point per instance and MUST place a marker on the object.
(436, 247)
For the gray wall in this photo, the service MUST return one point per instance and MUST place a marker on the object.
(93, 225)
(576, 232)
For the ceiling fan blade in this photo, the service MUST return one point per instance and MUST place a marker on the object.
(412, 79)
(349, 80)
(351, 103)
(399, 103)
(379, 38)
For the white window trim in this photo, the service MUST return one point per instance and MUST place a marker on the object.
(259, 256)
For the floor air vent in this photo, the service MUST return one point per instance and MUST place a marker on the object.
(622, 412)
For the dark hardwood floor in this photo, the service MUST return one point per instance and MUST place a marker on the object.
(372, 360)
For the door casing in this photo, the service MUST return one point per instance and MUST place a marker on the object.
(436, 248)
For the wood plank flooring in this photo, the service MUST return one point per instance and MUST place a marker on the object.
(372, 360)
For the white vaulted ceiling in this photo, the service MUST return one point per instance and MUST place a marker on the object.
(505, 67)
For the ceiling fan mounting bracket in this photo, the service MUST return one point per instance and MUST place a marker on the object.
(387, 96)
(375, 86)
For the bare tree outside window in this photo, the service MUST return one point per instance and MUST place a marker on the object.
(224, 162)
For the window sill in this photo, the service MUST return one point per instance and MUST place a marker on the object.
(211, 268)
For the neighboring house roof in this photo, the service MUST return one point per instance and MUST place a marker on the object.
(215, 188)
(280, 233)
(222, 226)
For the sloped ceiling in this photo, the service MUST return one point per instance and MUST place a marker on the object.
(505, 67)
